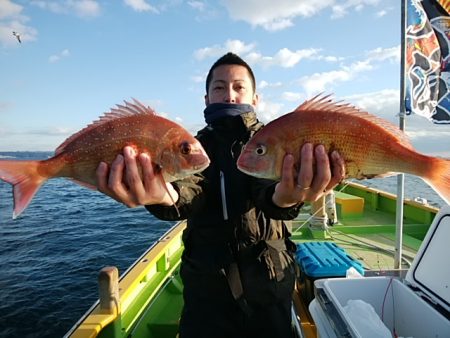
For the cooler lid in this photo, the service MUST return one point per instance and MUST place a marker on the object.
(430, 270)
(325, 259)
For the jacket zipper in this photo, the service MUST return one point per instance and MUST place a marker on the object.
(223, 195)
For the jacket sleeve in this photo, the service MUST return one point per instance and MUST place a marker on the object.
(262, 190)
(189, 191)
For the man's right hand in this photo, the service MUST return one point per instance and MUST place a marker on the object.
(123, 182)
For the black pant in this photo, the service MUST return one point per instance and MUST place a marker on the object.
(210, 311)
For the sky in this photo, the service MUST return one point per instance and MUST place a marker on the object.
(78, 59)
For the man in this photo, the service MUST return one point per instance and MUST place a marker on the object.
(238, 267)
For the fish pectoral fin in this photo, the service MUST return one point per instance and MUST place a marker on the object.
(363, 176)
(161, 177)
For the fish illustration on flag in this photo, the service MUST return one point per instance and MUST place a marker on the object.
(427, 62)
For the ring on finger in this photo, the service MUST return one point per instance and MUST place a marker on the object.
(302, 188)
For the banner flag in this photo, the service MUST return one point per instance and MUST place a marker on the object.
(427, 61)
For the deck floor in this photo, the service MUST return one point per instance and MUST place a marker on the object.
(371, 242)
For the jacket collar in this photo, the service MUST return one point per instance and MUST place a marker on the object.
(217, 111)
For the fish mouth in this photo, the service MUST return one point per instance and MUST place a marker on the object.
(242, 168)
(248, 172)
(201, 167)
(241, 165)
(194, 170)
(252, 171)
(201, 158)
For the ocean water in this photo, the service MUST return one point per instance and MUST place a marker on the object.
(51, 255)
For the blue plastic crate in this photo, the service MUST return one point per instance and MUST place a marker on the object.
(325, 259)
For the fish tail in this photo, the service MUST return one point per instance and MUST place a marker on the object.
(25, 179)
(439, 178)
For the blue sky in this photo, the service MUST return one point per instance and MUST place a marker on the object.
(78, 59)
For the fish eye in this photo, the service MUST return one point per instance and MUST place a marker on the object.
(185, 148)
(261, 150)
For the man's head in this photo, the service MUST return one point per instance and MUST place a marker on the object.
(231, 80)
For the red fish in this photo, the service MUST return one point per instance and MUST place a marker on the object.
(175, 153)
(370, 146)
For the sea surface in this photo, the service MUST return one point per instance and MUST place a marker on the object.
(50, 256)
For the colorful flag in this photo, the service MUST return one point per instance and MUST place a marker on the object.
(427, 61)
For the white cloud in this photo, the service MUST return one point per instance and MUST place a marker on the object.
(284, 57)
(293, 97)
(320, 82)
(384, 11)
(204, 10)
(427, 137)
(268, 110)
(317, 82)
(384, 103)
(198, 78)
(329, 58)
(359, 66)
(383, 54)
(279, 15)
(12, 20)
(273, 15)
(52, 131)
(57, 57)
(198, 5)
(342, 9)
(235, 46)
(264, 84)
(41, 139)
(81, 8)
(141, 6)
(89, 8)
(380, 14)
(9, 9)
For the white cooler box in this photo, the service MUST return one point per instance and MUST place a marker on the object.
(417, 306)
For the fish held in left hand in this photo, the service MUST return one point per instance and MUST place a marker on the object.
(371, 146)
(175, 153)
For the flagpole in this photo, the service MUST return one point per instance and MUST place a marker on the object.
(401, 177)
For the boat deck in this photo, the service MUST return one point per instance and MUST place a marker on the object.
(150, 291)
(370, 241)
(369, 234)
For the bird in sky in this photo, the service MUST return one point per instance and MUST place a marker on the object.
(17, 35)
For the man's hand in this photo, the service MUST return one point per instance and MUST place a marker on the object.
(317, 174)
(123, 181)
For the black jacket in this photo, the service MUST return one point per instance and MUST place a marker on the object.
(228, 211)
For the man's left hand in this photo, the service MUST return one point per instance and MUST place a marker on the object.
(317, 174)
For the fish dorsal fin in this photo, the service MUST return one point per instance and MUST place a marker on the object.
(322, 102)
(129, 109)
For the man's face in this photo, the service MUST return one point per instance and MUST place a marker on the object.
(231, 84)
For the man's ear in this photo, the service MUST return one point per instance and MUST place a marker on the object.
(255, 100)
(206, 100)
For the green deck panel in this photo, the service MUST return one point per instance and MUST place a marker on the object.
(129, 320)
(370, 239)
(162, 315)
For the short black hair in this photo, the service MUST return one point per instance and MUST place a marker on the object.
(230, 59)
